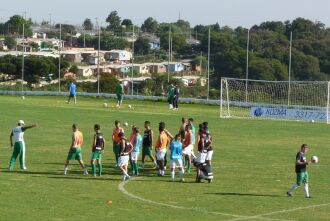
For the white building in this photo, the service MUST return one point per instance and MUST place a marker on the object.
(120, 55)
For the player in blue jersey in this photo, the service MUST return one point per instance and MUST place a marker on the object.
(136, 142)
(176, 157)
(72, 93)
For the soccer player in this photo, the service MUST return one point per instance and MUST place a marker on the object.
(72, 93)
(147, 143)
(162, 142)
(116, 139)
(125, 149)
(187, 147)
(136, 142)
(19, 145)
(208, 146)
(120, 94)
(301, 171)
(170, 95)
(97, 150)
(176, 97)
(75, 149)
(182, 130)
(193, 130)
(176, 154)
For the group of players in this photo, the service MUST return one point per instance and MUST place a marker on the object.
(127, 150)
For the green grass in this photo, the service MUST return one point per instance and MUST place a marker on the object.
(253, 165)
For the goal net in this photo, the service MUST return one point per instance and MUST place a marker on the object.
(294, 100)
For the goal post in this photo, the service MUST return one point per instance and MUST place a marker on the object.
(282, 100)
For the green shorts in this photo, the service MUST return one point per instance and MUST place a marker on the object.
(146, 151)
(74, 154)
(116, 148)
(97, 155)
(302, 178)
(120, 97)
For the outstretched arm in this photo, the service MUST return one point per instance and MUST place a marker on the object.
(30, 126)
(11, 139)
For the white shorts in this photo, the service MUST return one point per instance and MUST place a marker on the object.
(134, 156)
(187, 150)
(201, 157)
(160, 155)
(209, 155)
(176, 163)
(123, 161)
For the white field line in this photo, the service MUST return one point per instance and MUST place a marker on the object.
(121, 187)
(280, 211)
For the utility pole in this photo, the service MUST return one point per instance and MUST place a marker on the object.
(59, 59)
(132, 71)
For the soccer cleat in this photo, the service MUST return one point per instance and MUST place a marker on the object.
(308, 197)
(142, 165)
(127, 178)
(85, 172)
(182, 180)
(289, 194)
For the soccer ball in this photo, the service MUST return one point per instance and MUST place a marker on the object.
(315, 159)
(129, 106)
(312, 121)
(23, 97)
(105, 105)
(126, 124)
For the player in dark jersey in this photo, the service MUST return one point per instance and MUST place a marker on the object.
(147, 143)
(125, 149)
(97, 150)
(301, 171)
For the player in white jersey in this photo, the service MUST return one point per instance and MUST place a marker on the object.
(19, 145)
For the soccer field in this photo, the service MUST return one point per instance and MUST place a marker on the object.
(253, 167)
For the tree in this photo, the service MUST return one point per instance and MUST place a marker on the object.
(178, 41)
(108, 83)
(127, 23)
(88, 25)
(10, 42)
(114, 21)
(74, 69)
(149, 25)
(142, 46)
(15, 25)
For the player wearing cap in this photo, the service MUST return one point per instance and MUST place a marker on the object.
(97, 150)
(19, 145)
(301, 171)
(75, 149)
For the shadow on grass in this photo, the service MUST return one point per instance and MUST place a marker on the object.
(247, 194)
(88, 177)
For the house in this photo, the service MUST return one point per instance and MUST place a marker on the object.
(74, 56)
(94, 59)
(141, 68)
(120, 55)
(154, 41)
(175, 66)
(154, 45)
(157, 68)
(84, 71)
(3, 46)
(192, 80)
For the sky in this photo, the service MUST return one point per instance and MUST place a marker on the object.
(232, 13)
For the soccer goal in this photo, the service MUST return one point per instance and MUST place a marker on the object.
(294, 100)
